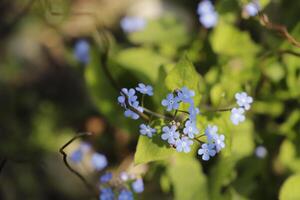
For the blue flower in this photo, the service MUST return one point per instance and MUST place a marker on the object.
(131, 114)
(171, 102)
(209, 20)
(190, 129)
(130, 94)
(99, 161)
(210, 132)
(81, 51)
(261, 151)
(207, 151)
(185, 95)
(133, 24)
(138, 186)
(124, 176)
(237, 115)
(170, 134)
(145, 89)
(106, 177)
(76, 156)
(243, 100)
(219, 142)
(147, 130)
(125, 195)
(205, 7)
(183, 144)
(252, 8)
(106, 194)
(193, 111)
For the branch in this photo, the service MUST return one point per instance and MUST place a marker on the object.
(2, 164)
(76, 173)
(282, 30)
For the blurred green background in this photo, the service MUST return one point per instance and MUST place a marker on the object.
(47, 96)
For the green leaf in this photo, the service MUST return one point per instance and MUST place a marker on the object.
(142, 62)
(227, 40)
(165, 31)
(288, 156)
(290, 188)
(187, 178)
(151, 150)
(184, 74)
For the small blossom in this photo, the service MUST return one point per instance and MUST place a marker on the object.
(76, 156)
(171, 102)
(209, 20)
(124, 176)
(138, 186)
(99, 161)
(125, 195)
(183, 144)
(147, 130)
(210, 132)
(252, 8)
(132, 24)
(130, 94)
(190, 129)
(219, 142)
(193, 112)
(145, 89)
(106, 194)
(261, 152)
(81, 51)
(205, 7)
(237, 115)
(106, 177)
(185, 95)
(131, 114)
(207, 151)
(170, 134)
(243, 100)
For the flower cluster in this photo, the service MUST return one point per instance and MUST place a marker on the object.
(129, 100)
(82, 51)
(244, 101)
(179, 132)
(120, 187)
(208, 17)
(132, 24)
(215, 143)
(127, 185)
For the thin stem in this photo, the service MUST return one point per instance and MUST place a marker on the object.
(183, 111)
(196, 139)
(157, 114)
(2, 164)
(76, 173)
(143, 97)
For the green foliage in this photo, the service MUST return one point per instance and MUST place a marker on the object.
(290, 188)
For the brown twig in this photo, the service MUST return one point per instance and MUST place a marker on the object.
(76, 173)
(282, 30)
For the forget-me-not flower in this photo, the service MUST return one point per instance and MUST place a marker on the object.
(125, 195)
(147, 130)
(193, 111)
(76, 156)
(237, 115)
(219, 142)
(171, 102)
(124, 176)
(183, 144)
(132, 24)
(210, 132)
(145, 89)
(209, 20)
(170, 134)
(252, 8)
(205, 7)
(138, 185)
(106, 177)
(130, 95)
(207, 151)
(261, 151)
(190, 129)
(82, 51)
(106, 194)
(243, 100)
(185, 95)
(99, 161)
